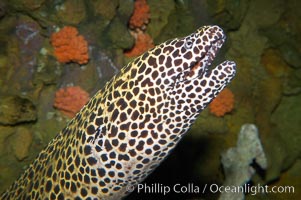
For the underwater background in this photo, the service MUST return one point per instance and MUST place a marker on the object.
(43, 83)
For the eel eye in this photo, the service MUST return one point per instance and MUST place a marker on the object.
(188, 44)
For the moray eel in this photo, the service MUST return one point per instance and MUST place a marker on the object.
(125, 131)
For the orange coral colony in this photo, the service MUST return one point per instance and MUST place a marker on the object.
(138, 22)
(141, 14)
(223, 103)
(69, 46)
(70, 100)
(143, 43)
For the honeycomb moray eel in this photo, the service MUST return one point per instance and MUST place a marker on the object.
(125, 131)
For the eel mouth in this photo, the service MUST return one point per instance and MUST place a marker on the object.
(202, 63)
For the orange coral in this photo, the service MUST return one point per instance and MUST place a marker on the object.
(223, 103)
(143, 43)
(69, 46)
(141, 14)
(70, 100)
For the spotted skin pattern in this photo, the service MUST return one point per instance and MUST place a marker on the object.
(132, 124)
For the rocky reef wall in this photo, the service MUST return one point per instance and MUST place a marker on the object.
(263, 38)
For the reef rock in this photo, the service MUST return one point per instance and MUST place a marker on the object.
(228, 13)
(21, 142)
(28, 5)
(15, 110)
(159, 13)
(116, 29)
(105, 8)
(5, 133)
(283, 146)
(72, 11)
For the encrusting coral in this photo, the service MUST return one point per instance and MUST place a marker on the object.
(223, 103)
(140, 16)
(137, 24)
(143, 43)
(69, 46)
(70, 100)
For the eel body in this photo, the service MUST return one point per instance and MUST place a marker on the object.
(127, 128)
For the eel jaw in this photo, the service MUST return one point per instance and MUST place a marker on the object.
(202, 63)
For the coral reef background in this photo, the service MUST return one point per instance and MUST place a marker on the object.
(263, 38)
